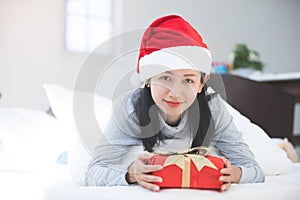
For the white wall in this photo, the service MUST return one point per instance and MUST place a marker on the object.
(32, 51)
(270, 26)
(32, 38)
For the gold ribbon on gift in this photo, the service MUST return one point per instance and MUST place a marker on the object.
(183, 160)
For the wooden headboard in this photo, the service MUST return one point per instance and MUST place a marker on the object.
(265, 105)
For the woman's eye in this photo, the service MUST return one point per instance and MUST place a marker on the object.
(165, 78)
(188, 81)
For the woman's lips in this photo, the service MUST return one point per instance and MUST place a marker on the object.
(173, 103)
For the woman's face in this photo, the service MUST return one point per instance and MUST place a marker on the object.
(175, 91)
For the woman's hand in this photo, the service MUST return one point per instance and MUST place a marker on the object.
(139, 171)
(231, 174)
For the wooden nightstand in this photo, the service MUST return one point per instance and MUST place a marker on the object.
(265, 104)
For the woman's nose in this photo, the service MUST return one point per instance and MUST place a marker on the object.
(175, 91)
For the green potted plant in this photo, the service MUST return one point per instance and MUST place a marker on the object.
(243, 57)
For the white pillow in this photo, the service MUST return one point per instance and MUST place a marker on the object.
(78, 161)
(272, 159)
(61, 102)
(29, 138)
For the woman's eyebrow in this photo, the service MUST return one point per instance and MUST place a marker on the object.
(169, 72)
(189, 75)
(172, 73)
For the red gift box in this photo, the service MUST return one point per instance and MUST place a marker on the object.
(189, 171)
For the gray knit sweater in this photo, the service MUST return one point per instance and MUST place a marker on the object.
(121, 143)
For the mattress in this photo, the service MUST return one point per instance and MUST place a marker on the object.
(274, 187)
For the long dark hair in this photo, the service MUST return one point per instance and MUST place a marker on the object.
(199, 125)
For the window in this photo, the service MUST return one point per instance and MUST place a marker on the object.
(88, 24)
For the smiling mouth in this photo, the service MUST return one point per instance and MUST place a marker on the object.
(173, 103)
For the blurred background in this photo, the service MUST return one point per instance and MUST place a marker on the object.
(43, 41)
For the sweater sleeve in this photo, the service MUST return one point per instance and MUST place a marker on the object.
(114, 154)
(229, 141)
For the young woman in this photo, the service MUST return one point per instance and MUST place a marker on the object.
(170, 112)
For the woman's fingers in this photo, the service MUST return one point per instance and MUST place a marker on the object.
(225, 187)
(226, 171)
(227, 175)
(151, 168)
(230, 173)
(227, 163)
(142, 163)
(145, 157)
(140, 171)
(150, 178)
(149, 186)
(225, 178)
(147, 181)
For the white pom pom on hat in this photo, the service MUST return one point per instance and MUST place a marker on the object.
(170, 43)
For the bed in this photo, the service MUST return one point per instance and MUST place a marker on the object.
(41, 156)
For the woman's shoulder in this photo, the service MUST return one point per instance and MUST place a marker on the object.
(125, 102)
(216, 102)
(124, 113)
(218, 108)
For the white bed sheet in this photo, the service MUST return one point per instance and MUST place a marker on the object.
(19, 183)
(275, 187)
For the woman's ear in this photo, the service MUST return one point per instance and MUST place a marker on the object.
(207, 76)
(205, 79)
(148, 83)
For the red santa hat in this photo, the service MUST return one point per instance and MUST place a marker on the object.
(170, 43)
